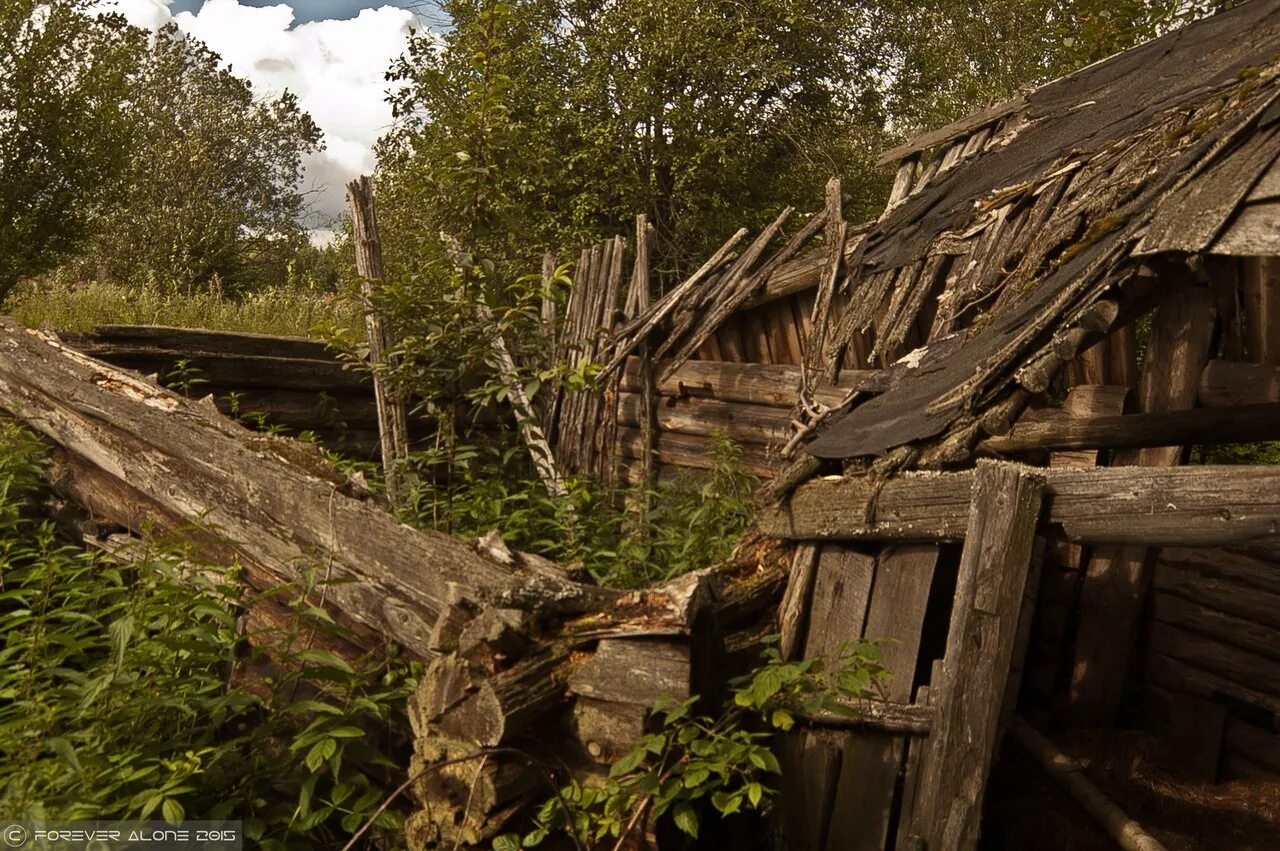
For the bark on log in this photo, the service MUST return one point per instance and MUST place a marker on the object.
(1203, 505)
(274, 504)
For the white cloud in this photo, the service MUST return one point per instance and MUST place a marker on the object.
(335, 67)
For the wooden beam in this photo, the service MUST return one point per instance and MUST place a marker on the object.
(1225, 383)
(1235, 424)
(1261, 308)
(1004, 512)
(775, 385)
(1201, 505)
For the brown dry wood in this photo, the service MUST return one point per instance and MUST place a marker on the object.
(544, 460)
(692, 451)
(774, 385)
(1126, 832)
(1175, 674)
(841, 593)
(756, 424)
(646, 323)
(392, 414)
(1255, 231)
(608, 730)
(1260, 745)
(1202, 505)
(279, 504)
(1253, 671)
(961, 129)
(870, 763)
(975, 669)
(639, 671)
(732, 291)
(1116, 579)
(792, 613)
(1261, 305)
(1200, 426)
(877, 716)
(1249, 570)
(820, 319)
(902, 182)
(1237, 383)
(200, 340)
(1215, 605)
(1268, 186)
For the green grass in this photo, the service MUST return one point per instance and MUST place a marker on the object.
(293, 311)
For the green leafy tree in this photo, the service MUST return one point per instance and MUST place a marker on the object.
(63, 134)
(210, 189)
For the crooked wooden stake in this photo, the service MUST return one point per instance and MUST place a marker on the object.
(393, 427)
(975, 669)
(535, 441)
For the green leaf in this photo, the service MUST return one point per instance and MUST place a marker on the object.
(754, 793)
(173, 811)
(782, 719)
(506, 842)
(686, 818)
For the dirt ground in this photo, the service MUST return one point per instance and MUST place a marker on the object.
(1027, 810)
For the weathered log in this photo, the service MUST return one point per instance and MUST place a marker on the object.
(743, 423)
(906, 718)
(1236, 424)
(1226, 383)
(1189, 506)
(273, 504)
(692, 452)
(774, 385)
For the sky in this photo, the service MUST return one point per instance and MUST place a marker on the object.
(332, 53)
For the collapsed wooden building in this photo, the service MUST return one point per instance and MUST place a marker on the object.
(976, 418)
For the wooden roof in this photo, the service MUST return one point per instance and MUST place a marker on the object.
(1030, 218)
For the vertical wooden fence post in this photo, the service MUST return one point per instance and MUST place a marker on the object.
(393, 427)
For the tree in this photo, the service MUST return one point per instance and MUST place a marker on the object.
(64, 74)
(550, 122)
(211, 185)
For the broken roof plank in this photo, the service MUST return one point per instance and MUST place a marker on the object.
(1183, 506)
(955, 130)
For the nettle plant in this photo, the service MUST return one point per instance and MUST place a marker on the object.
(693, 764)
(129, 690)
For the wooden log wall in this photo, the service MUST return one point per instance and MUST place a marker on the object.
(297, 383)
(1212, 660)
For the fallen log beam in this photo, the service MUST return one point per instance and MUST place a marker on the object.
(1151, 506)
(273, 504)
(1234, 424)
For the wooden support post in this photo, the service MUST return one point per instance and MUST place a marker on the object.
(1004, 511)
(639, 303)
(1261, 282)
(393, 428)
(1116, 578)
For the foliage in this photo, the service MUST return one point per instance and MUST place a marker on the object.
(294, 309)
(211, 184)
(944, 59)
(693, 760)
(128, 690)
(693, 522)
(547, 123)
(63, 132)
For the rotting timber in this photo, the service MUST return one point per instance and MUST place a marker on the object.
(991, 313)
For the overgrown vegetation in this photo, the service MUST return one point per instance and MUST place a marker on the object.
(696, 765)
(129, 690)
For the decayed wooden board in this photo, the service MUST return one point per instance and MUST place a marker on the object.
(1247, 670)
(870, 761)
(838, 612)
(634, 670)
(975, 669)
(277, 504)
(1255, 231)
(775, 385)
(1188, 506)
(1176, 674)
(1227, 603)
